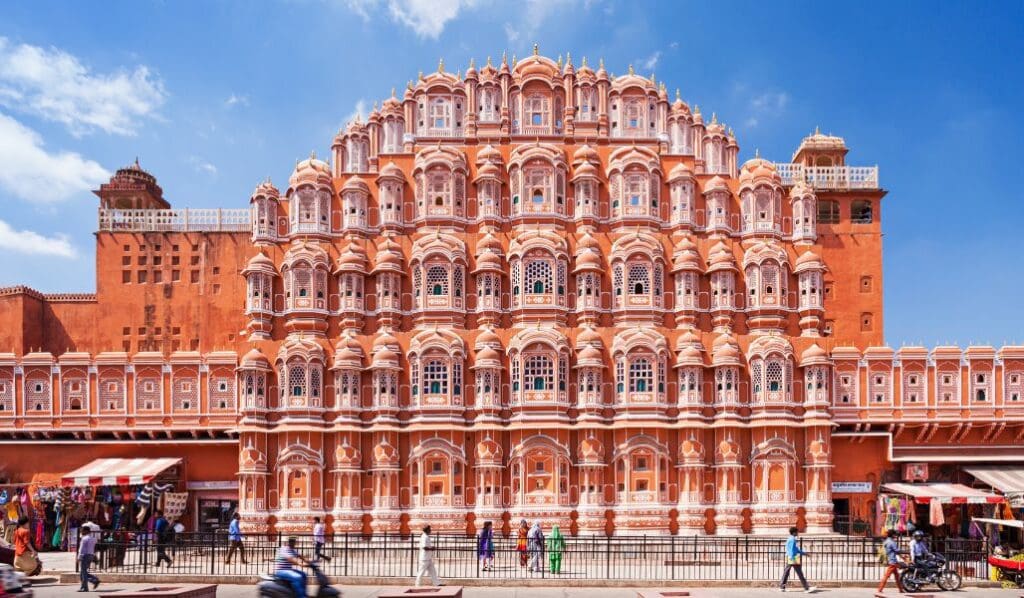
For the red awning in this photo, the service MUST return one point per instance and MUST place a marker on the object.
(118, 472)
(944, 493)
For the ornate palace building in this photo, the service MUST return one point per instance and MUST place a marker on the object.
(533, 290)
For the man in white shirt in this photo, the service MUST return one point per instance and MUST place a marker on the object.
(319, 539)
(427, 559)
(86, 555)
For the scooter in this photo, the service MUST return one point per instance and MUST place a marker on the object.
(272, 587)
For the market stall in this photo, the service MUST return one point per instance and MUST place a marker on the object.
(904, 507)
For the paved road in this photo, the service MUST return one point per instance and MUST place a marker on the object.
(512, 592)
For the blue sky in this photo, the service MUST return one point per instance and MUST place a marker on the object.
(213, 97)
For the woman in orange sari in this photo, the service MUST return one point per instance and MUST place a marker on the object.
(521, 542)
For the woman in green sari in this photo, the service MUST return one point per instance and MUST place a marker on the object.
(555, 546)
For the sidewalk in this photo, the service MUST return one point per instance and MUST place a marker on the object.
(239, 591)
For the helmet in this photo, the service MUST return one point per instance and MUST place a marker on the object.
(918, 535)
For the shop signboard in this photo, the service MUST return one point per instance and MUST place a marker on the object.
(851, 487)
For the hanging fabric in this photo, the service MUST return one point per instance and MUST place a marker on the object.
(935, 514)
(175, 504)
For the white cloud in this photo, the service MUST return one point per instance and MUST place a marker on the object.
(32, 243)
(359, 112)
(674, 45)
(427, 18)
(202, 165)
(511, 33)
(31, 173)
(765, 105)
(235, 100)
(56, 86)
(651, 62)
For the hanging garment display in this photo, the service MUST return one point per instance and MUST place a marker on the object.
(175, 504)
(935, 514)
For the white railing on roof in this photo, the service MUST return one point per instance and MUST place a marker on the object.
(830, 177)
(183, 220)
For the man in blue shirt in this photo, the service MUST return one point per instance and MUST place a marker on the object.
(86, 555)
(893, 561)
(162, 529)
(793, 556)
(235, 539)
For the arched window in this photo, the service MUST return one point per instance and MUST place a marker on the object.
(641, 375)
(539, 278)
(539, 372)
(437, 280)
(435, 377)
(440, 114)
(639, 279)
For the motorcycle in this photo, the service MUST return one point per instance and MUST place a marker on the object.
(272, 587)
(933, 570)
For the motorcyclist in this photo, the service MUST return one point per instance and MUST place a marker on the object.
(919, 553)
(286, 568)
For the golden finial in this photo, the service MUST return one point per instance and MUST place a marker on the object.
(696, 109)
(514, 59)
(559, 61)
(409, 84)
(458, 74)
(730, 132)
(440, 65)
(817, 131)
(568, 58)
(652, 78)
(421, 75)
(662, 87)
(631, 69)
(678, 95)
(472, 62)
(757, 153)
(584, 63)
(714, 118)
(504, 57)
(536, 50)
(312, 154)
(393, 91)
(489, 61)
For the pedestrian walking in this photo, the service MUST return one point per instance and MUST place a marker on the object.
(535, 544)
(162, 529)
(893, 561)
(794, 564)
(485, 546)
(556, 544)
(319, 540)
(235, 540)
(86, 556)
(522, 543)
(427, 559)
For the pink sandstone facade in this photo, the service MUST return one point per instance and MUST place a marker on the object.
(535, 291)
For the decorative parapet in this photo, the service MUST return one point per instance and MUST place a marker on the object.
(183, 220)
(830, 177)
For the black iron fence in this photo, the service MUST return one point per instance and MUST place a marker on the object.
(659, 558)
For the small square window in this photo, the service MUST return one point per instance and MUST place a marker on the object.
(216, 269)
(194, 276)
(143, 276)
(194, 260)
(142, 260)
(126, 276)
(175, 275)
(142, 330)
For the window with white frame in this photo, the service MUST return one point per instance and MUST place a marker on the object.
(435, 377)
(539, 372)
(641, 375)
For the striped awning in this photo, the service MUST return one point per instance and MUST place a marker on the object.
(944, 493)
(1004, 478)
(118, 472)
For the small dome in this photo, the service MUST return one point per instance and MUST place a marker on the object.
(384, 339)
(758, 171)
(591, 450)
(346, 455)
(254, 359)
(587, 241)
(385, 358)
(488, 171)
(389, 257)
(590, 356)
(679, 171)
(488, 451)
(685, 256)
(585, 170)
(356, 184)
(721, 258)
(488, 154)
(814, 355)
(266, 189)
(808, 261)
(385, 454)
(352, 258)
(716, 183)
(488, 261)
(392, 171)
(690, 451)
(259, 263)
(725, 351)
(589, 261)
(487, 354)
(689, 355)
(310, 171)
(588, 336)
(487, 338)
(585, 153)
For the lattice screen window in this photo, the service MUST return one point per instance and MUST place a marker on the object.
(296, 380)
(589, 381)
(636, 190)
(686, 289)
(846, 384)
(222, 391)
(563, 371)
(6, 395)
(538, 185)
(620, 376)
(539, 279)
(516, 381)
(658, 282)
(948, 387)
(457, 378)
(414, 373)
(184, 392)
(980, 387)
(460, 192)
(315, 384)
(437, 280)
(37, 394)
(641, 375)
(756, 376)
(147, 392)
(417, 281)
(879, 388)
(587, 285)
(440, 113)
(773, 377)
(540, 372)
(438, 187)
(73, 392)
(457, 282)
(435, 377)
(1014, 387)
(537, 110)
(585, 198)
(307, 206)
(769, 279)
(617, 279)
(301, 282)
(639, 279)
(913, 387)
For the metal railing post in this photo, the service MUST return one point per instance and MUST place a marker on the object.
(672, 558)
(213, 554)
(608, 557)
(345, 560)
